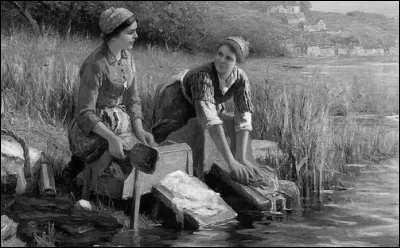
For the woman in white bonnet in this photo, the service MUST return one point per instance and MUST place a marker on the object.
(108, 112)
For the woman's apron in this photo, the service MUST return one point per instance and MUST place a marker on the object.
(90, 148)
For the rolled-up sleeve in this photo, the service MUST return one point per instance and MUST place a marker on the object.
(243, 104)
(242, 97)
(207, 114)
(242, 121)
(91, 80)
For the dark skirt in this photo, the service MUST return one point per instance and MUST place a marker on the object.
(171, 110)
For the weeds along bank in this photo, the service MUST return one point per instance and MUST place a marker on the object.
(40, 79)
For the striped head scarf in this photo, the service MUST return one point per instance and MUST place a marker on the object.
(111, 18)
(241, 47)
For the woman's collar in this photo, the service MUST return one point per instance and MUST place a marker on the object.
(110, 56)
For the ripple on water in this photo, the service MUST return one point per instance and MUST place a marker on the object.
(333, 242)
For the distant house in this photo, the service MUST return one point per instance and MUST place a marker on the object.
(276, 9)
(374, 51)
(320, 25)
(313, 51)
(309, 27)
(394, 51)
(290, 20)
(357, 51)
(315, 26)
(342, 51)
(294, 19)
(292, 7)
(327, 51)
(292, 50)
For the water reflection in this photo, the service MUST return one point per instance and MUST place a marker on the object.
(365, 215)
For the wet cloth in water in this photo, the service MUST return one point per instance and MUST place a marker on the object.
(90, 147)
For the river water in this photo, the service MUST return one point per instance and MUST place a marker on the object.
(364, 215)
(383, 71)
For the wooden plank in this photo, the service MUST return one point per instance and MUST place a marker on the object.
(134, 215)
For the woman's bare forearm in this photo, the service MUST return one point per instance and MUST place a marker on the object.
(242, 137)
(218, 136)
(103, 131)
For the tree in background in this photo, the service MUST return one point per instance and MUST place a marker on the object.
(62, 16)
(305, 7)
(178, 24)
(24, 9)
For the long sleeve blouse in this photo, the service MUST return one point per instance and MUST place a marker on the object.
(106, 82)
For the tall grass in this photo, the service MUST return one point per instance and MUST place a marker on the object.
(39, 80)
(318, 144)
(40, 75)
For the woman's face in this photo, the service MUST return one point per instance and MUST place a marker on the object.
(127, 37)
(225, 60)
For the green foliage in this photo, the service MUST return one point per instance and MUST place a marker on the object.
(178, 24)
(199, 25)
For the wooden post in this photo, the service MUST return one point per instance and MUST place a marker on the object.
(134, 214)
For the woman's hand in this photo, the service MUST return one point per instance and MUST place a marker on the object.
(116, 147)
(251, 167)
(143, 136)
(146, 138)
(240, 172)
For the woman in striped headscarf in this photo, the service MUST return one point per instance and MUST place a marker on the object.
(200, 92)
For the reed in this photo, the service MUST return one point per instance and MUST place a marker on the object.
(317, 143)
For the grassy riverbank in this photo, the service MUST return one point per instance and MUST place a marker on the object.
(40, 78)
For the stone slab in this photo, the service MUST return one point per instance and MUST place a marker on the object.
(193, 202)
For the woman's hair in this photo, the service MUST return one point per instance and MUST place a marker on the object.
(118, 30)
(237, 45)
(233, 48)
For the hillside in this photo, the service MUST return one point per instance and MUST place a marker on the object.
(263, 32)
(198, 26)
(368, 30)
(267, 31)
